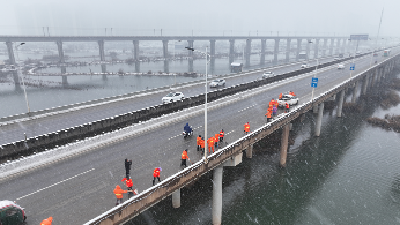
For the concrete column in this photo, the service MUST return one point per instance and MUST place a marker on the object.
(166, 66)
(331, 47)
(373, 77)
(137, 67)
(315, 109)
(325, 46)
(217, 195)
(136, 50)
(165, 49)
(308, 49)
(231, 50)
(340, 106)
(190, 56)
(288, 49)
(298, 48)
(212, 54)
(316, 48)
(10, 51)
(64, 81)
(249, 152)
(337, 49)
(262, 56)
(364, 85)
(61, 58)
(101, 50)
(284, 144)
(212, 48)
(276, 51)
(319, 119)
(344, 45)
(104, 70)
(176, 199)
(248, 52)
(353, 99)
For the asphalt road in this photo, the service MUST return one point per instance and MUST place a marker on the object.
(15, 132)
(79, 189)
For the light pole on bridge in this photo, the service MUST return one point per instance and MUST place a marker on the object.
(205, 111)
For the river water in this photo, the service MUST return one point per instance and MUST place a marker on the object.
(348, 175)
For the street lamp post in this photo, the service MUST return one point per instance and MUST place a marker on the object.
(22, 78)
(205, 111)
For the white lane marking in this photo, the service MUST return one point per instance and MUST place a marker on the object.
(247, 108)
(55, 184)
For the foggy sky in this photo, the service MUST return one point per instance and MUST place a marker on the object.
(205, 17)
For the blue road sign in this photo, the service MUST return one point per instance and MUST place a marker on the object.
(352, 66)
(314, 85)
(314, 79)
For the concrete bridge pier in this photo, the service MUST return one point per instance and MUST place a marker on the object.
(276, 51)
(284, 144)
(64, 81)
(337, 47)
(104, 70)
(288, 49)
(373, 77)
(364, 84)
(331, 47)
(165, 49)
(308, 49)
(166, 66)
(353, 99)
(249, 151)
(217, 195)
(316, 48)
(11, 60)
(344, 42)
(231, 50)
(101, 50)
(319, 119)
(137, 67)
(248, 52)
(61, 58)
(190, 56)
(315, 109)
(298, 48)
(262, 56)
(340, 106)
(325, 46)
(136, 50)
(176, 199)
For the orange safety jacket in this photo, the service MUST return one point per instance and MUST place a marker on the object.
(184, 155)
(247, 127)
(221, 134)
(210, 142)
(128, 182)
(198, 140)
(156, 173)
(203, 143)
(287, 105)
(119, 192)
(216, 137)
(47, 221)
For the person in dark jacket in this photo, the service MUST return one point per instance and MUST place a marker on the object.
(128, 166)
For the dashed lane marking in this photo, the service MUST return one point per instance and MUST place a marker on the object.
(247, 108)
(55, 184)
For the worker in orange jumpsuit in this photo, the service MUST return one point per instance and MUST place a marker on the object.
(129, 185)
(287, 107)
(221, 135)
(273, 101)
(157, 175)
(198, 142)
(247, 128)
(280, 96)
(210, 143)
(216, 137)
(184, 157)
(268, 115)
(203, 145)
(120, 194)
(47, 221)
(292, 93)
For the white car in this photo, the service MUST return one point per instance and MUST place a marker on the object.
(304, 65)
(217, 83)
(173, 97)
(291, 100)
(340, 66)
(267, 75)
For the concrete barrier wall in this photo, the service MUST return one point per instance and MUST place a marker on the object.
(149, 197)
(94, 128)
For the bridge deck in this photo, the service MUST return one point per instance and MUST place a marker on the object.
(85, 192)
